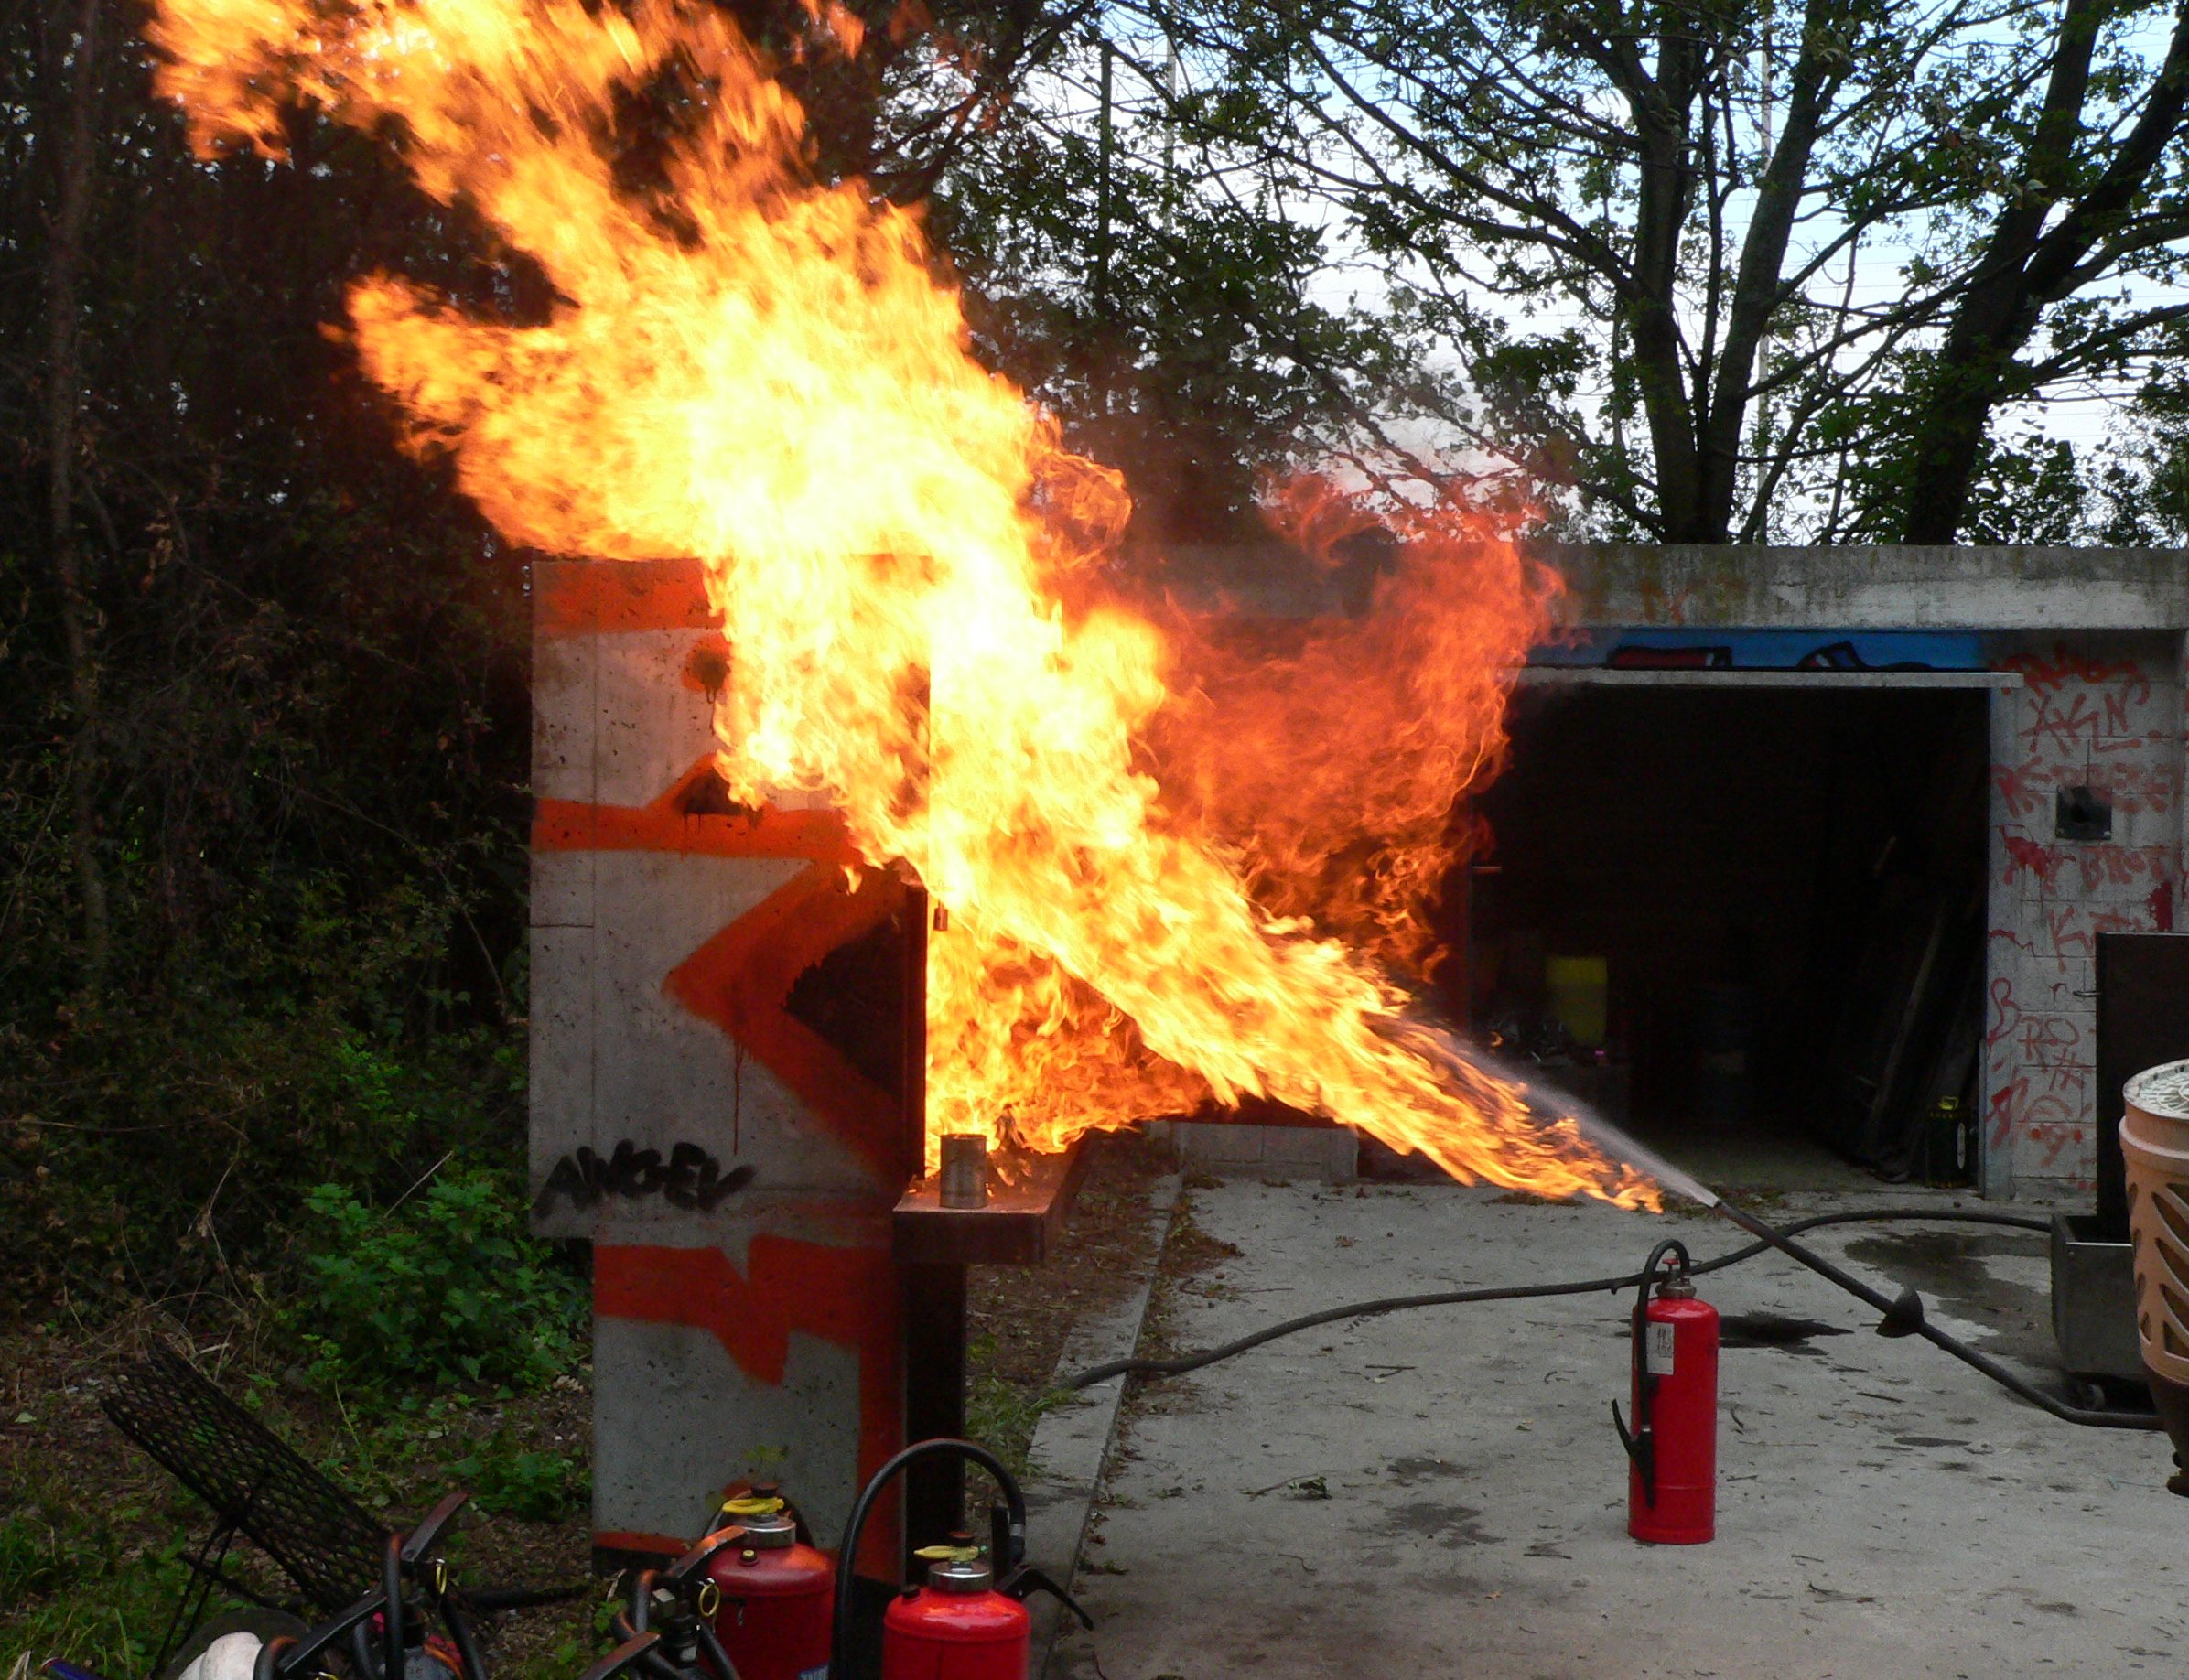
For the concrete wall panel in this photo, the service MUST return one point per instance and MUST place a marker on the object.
(706, 1423)
(733, 1169)
(2099, 711)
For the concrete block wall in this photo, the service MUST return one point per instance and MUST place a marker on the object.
(1331, 1154)
(2101, 710)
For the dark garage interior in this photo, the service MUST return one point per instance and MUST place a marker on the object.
(1746, 920)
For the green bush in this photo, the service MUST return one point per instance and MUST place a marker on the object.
(448, 1288)
(540, 1487)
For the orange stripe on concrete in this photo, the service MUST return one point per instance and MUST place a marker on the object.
(634, 1540)
(740, 980)
(848, 1296)
(573, 825)
(602, 598)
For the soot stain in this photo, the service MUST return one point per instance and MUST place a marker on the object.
(1452, 1526)
(1410, 1472)
(1774, 1330)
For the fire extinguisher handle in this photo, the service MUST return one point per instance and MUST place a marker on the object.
(686, 1568)
(1029, 1578)
(1626, 1438)
(419, 1541)
(1642, 1448)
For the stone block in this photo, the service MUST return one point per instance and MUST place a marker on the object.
(1330, 1153)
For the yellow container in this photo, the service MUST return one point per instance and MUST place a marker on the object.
(1579, 989)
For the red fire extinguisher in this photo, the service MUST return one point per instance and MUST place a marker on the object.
(967, 1622)
(1672, 1451)
(958, 1625)
(778, 1593)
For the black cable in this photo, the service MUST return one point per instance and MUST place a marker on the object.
(484, 1601)
(1999, 1373)
(843, 1619)
(1185, 1362)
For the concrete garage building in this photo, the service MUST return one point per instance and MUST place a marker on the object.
(1824, 836)
(1834, 819)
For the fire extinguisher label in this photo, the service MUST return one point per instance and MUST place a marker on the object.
(813, 1673)
(1656, 1352)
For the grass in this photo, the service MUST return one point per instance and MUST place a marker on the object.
(78, 1582)
(93, 1535)
(1003, 1415)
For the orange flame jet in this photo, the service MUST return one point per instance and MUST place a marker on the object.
(748, 365)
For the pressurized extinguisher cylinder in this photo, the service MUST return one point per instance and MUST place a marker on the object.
(778, 1596)
(1672, 1449)
(957, 1627)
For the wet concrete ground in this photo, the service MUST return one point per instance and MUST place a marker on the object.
(1440, 1492)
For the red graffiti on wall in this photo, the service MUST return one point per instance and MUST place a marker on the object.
(2027, 856)
(2054, 1139)
(2049, 1041)
(2049, 676)
(2026, 789)
(2085, 867)
(2132, 785)
(2005, 1012)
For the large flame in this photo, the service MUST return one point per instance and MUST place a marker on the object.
(746, 365)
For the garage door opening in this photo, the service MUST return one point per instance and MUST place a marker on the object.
(1745, 921)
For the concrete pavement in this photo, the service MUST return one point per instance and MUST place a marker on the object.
(1440, 1492)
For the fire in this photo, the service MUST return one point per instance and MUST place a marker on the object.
(1175, 868)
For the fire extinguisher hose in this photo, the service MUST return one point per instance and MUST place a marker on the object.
(1904, 1315)
(1010, 1541)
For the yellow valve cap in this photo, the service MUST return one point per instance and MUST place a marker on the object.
(948, 1554)
(751, 1507)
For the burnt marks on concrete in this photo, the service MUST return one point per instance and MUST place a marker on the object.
(1774, 1330)
(1415, 1470)
(1451, 1526)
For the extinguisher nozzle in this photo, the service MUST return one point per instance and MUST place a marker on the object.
(1904, 1316)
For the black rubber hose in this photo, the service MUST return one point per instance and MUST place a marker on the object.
(392, 1661)
(1504, 1292)
(484, 1601)
(1014, 1501)
(467, 1641)
(1904, 1316)
(1593, 1285)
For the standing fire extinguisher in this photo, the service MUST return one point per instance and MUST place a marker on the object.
(968, 1622)
(956, 1625)
(1672, 1451)
(778, 1593)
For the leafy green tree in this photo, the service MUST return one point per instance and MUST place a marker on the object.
(1727, 259)
(1165, 308)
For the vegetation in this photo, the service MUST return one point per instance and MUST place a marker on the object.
(264, 725)
(451, 1290)
(1734, 272)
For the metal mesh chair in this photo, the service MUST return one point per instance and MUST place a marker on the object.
(255, 1484)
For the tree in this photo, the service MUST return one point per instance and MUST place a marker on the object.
(263, 741)
(1165, 313)
(1708, 255)
(2095, 191)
